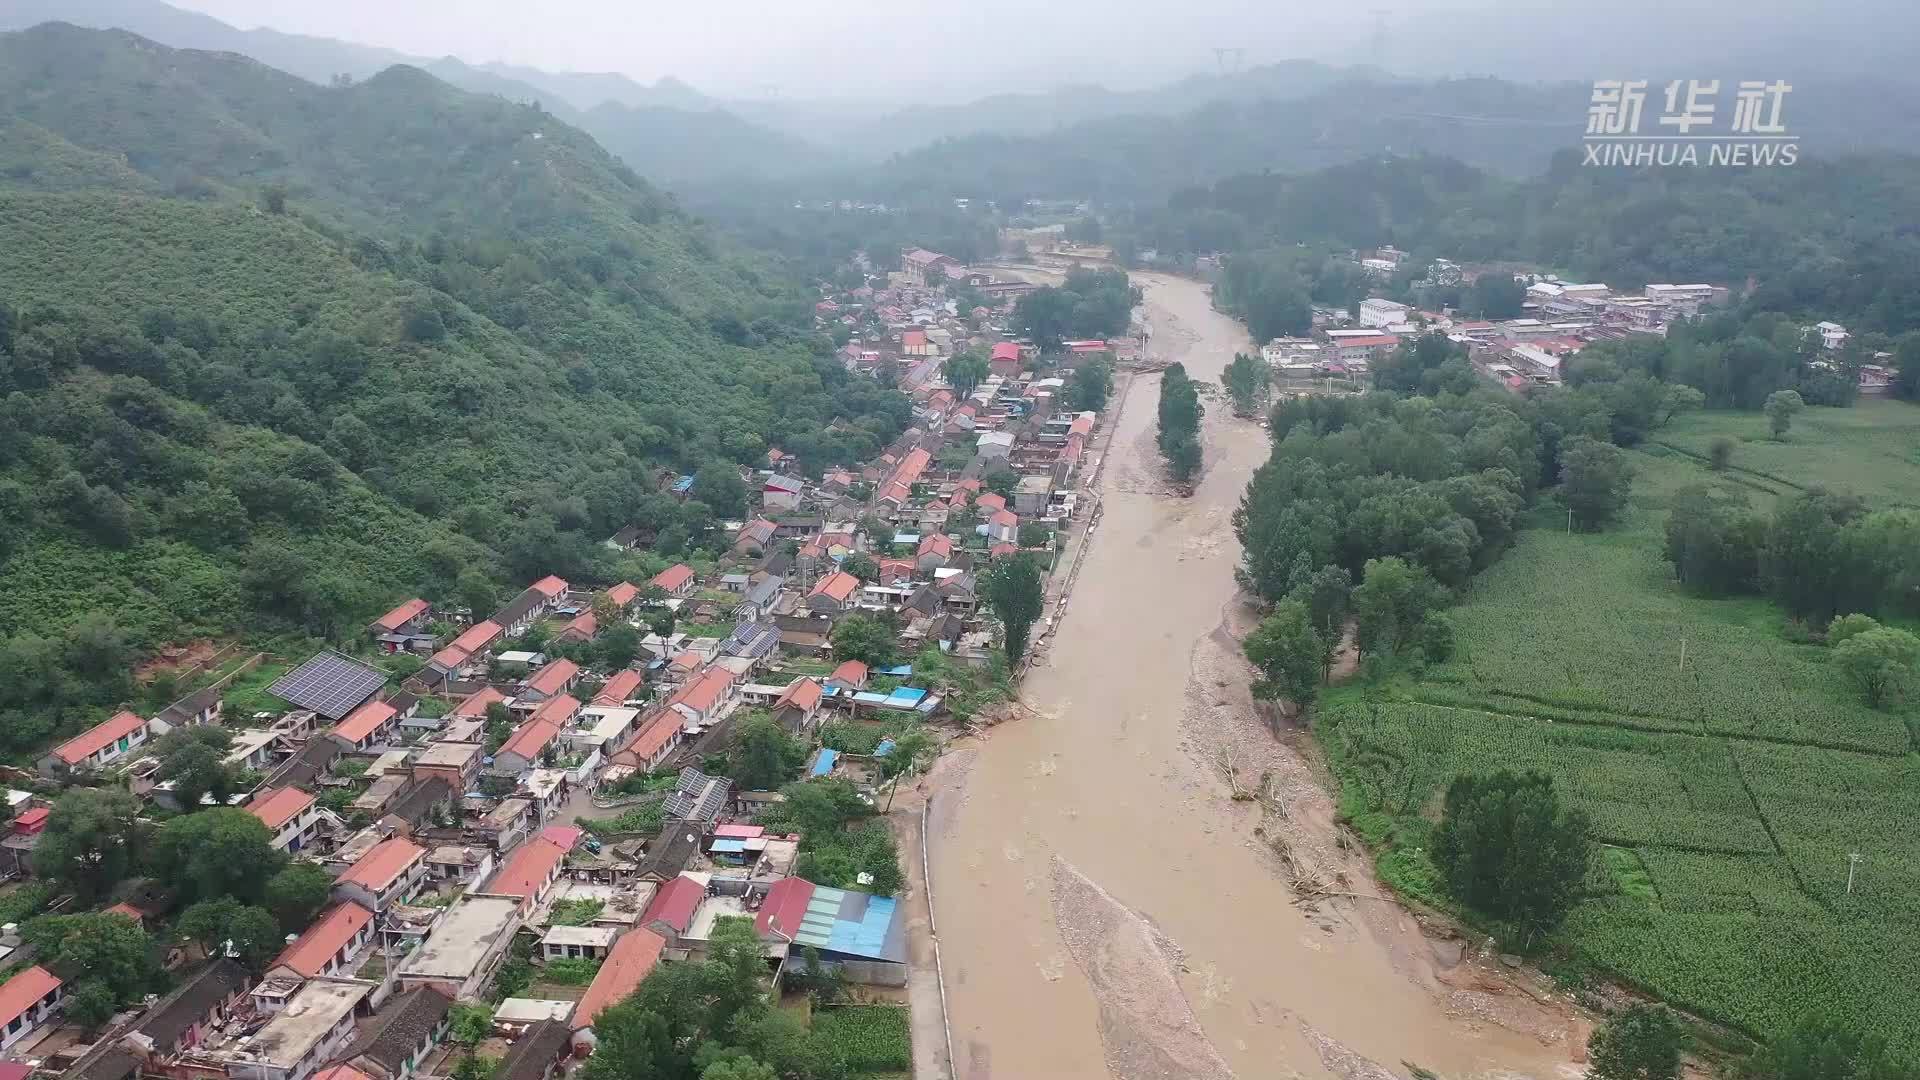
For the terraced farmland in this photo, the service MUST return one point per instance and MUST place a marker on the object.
(1733, 787)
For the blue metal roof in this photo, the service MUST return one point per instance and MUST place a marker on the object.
(898, 670)
(683, 485)
(823, 764)
(906, 695)
(729, 846)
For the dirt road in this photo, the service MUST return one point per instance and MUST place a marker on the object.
(1105, 908)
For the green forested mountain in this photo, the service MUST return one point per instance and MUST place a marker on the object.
(273, 354)
(1508, 128)
(1832, 238)
(670, 132)
(871, 130)
(685, 149)
(315, 58)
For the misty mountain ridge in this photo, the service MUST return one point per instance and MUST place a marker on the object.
(670, 131)
(841, 131)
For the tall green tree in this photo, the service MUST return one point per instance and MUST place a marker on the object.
(1882, 662)
(1091, 385)
(965, 371)
(1824, 1047)
(297, 893)
(763, 755)
(1642, 1043)
(225, 851)
(1245, 379)
(107, 961)
(1288, 653)
(1179, 416)
(1507, 848)
(91, 842)
(1596, 479)
(1391, 601)
(1497, 296)
(866, 638)
(1015, 592)
(193, 759)
(1328, 596)
(223, 923)
(1781, 407)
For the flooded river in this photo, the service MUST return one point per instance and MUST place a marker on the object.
(1105, 908)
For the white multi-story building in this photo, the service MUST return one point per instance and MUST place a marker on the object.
(1376, 312)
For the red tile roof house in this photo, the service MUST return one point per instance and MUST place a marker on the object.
(475, 706)
(934, 552)
(100, 745)
(387, 874)
(529, 873)
(366, 727)
(701, 700)
(670, 912)
(522, 751)
(554, 679)
(754, 537)
(657, 738)
(289, 814)
(798, 704)
(329, 945)
(1003, 526)
(621, 688)
(397, 629)
(1005, 360)
(26, 1001)
(849, 676)
(583, 627)
(676, 580)
(899, 486)
(632, 958)
(624, 596)
(834, 593)
(470, 647)
(553, 587)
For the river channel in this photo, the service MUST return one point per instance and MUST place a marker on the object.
(1104, 790)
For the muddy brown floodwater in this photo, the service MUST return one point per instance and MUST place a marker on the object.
(1106, 909)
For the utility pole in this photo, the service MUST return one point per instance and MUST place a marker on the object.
(1683, 656)
(1569, 521)
(1853, 863)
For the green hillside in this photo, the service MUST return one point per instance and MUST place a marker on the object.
(274, 356)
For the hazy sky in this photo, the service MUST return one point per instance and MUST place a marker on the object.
(815, 48)
(940, 50)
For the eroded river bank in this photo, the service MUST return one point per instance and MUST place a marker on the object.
(1107, 908)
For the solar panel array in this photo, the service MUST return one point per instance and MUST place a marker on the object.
(697, 797)
(330, 684)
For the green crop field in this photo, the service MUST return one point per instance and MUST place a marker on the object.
(1731, 788)
(1871, 450)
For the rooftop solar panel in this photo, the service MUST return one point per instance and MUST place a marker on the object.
(330, 684)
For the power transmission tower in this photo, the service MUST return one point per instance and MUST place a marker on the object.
(1229, 59)
(1379, 41)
